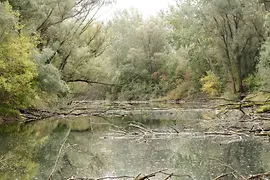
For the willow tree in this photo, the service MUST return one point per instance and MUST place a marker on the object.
(227, 34)
(138, 51)
(64, 27)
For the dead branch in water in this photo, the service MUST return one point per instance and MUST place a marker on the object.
(138, 130)
(59, 153)
(102, 178)
(227, 133)
(170, 175)
(222, 175)
(258, 176)
(251, 177)
(138, 177)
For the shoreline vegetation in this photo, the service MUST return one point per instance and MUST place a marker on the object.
(252, 104)
(197, 50)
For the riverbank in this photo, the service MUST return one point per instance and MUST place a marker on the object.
(234, 117)
(251, 105)
(8, 115)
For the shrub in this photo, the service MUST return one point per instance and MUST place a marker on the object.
(183, 90)
(263, 109)
(17, 67)
(252, 83)
(17, 72)
(211, 84)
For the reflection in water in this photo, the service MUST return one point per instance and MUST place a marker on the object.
(97, 147)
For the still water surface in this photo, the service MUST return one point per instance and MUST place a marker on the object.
(142, 141)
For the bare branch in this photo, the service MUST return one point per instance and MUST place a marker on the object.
(92, 82)
(46, 20)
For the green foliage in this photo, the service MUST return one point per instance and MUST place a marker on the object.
(231, 96)
(49, 80)
(263, 109)
(222, 36)
(42, 47)
(17, 71)
(211, 84)
(140, 53)
(252, 83)
(9, 115)
(17, 67)
(264, 65)
(183, 90)
(46, 46)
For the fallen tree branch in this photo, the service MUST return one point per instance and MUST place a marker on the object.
(222, 175)
(138, 177)
(59, 153)
(228, 133)
(168, 177)
(92, 82)
(258, 176)
(175, 175)
(117, 177)
(102, 178)
(142, 129)
(218, 133)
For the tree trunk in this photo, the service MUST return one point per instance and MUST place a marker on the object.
(233, 81)
(64, 62)
(229, 63)
(240, 74)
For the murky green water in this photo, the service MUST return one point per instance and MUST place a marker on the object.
(143, 141)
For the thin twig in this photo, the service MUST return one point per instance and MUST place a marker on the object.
(221, 176)
(230, 167)
(168, 177)
(175, 175)
(151, 175)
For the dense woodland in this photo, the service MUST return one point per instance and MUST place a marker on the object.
(50, 50)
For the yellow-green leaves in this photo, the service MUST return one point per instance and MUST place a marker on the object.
(9, 9)
(17, 68)
(211, 84)
(17, 71)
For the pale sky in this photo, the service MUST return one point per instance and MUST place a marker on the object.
(146, 7)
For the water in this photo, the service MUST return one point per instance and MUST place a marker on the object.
(139, 141)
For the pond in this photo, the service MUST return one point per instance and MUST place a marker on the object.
(139, 141)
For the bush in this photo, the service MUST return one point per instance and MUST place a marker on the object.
(8, 114)
(263, 109)
(49, 80)
(17, 67)
(252, 83)
(185, 89)
(211, 84)
(17, 72)
(264, 65)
